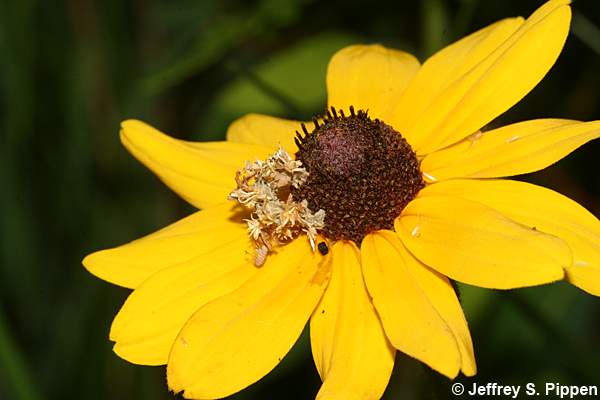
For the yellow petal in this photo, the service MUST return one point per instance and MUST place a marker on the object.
(265, 131)
(585, 276)
(472, 243)
(445, 67)
(235, 340)
(511, 150)
(353, 356)
(202, 173)
(412, 323)
(502, 64)
(545, 210)
(442, 296)
(146, 326)
(200, 233)
(370, 78)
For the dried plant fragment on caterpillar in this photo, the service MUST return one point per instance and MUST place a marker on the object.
(261, 188)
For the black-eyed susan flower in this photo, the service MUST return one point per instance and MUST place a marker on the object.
(357, 223)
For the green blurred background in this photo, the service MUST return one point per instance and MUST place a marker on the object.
(70, 71)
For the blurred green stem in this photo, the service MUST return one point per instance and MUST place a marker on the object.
(435, 26)
(264, 86)
(586, 31)
(209, 49)
(463, 18)
(15, 372)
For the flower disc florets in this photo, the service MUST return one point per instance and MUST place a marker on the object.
(361, 172)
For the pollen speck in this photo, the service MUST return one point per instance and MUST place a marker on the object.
(476, 136)
(416, 232)
(429, 177)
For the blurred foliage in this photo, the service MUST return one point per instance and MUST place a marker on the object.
(71, 70)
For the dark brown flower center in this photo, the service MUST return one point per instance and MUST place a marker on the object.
(361, 172)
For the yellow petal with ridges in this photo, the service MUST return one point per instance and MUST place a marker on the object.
(146, 326)
(472, 243)
(442, 296)
(370, 78)
(585, 277)
(544, 209)
(202, 173)
(511, 70)
(411, 322)
(265, 131)
(353, 356)
(235, 340)
(200, 233)
(515, 149)
(445, 67)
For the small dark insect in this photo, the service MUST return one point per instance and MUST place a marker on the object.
(323, 249)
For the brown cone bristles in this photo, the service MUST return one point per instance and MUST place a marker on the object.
(361, 172)
(352, 175)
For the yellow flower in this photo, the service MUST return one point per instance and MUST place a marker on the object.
(399, 225)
